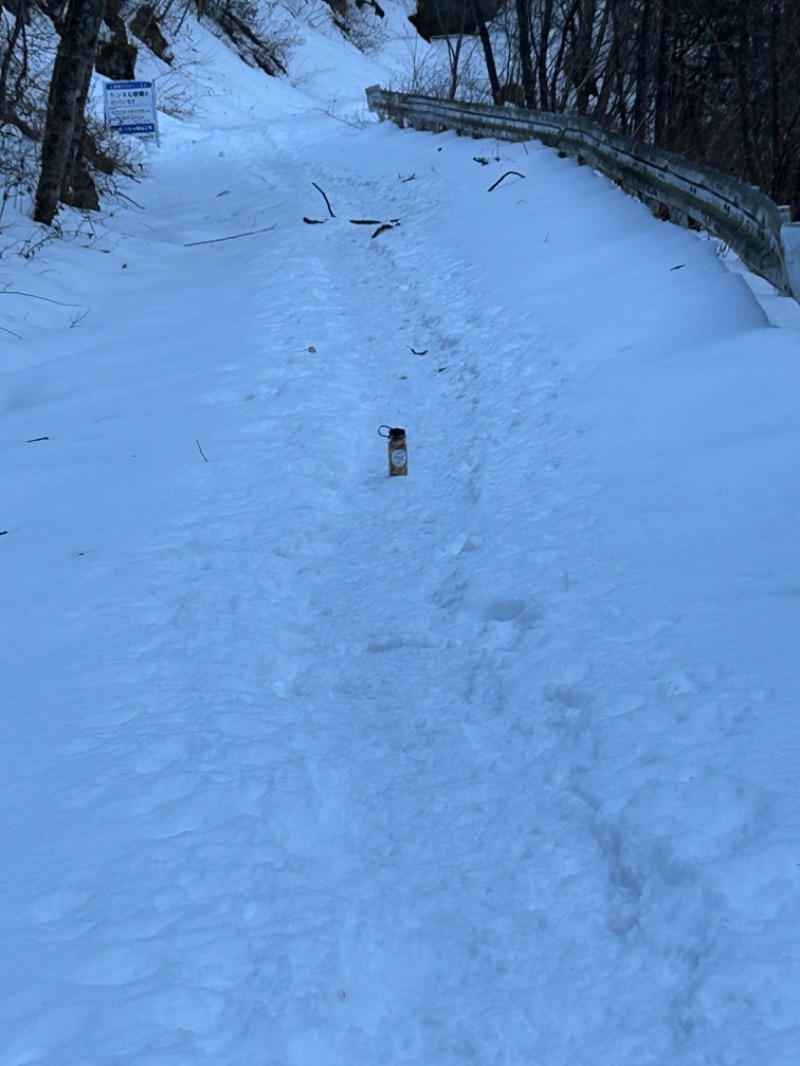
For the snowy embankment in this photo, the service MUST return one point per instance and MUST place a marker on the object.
(303, 765)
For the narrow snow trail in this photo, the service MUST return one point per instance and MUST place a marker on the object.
(366, 769)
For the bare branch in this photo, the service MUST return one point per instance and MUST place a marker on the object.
(507, 174)
(233, 237)
(325, 198)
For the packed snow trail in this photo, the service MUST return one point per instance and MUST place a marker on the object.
(321, 767)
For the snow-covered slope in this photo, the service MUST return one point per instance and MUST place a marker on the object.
(307, 766)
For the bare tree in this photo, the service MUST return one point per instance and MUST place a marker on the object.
(63, 176)
(488, 52)
(15, 48)
(523, 8)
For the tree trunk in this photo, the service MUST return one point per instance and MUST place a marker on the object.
(542, 54)
(491, 67)
(454, 56)
(17, 33)
(582, 57)
(69, 87)
(642, 78)
(525, 52)
(611, 76)
(662, 103)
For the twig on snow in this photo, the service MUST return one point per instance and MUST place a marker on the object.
(233, 237)
(384, 227)
(375, 222)
(325, 198)
(128, 198)
(507, 174)
(33, 296)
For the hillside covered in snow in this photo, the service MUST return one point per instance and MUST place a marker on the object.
(305, 765)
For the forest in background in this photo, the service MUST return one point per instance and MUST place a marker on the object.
(716, 81)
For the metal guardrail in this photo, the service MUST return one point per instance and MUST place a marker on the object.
(742, 216)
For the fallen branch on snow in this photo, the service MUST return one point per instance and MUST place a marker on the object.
(382, 226)
(325, 198)
(233, 237)
(33, 296)
(507, 174)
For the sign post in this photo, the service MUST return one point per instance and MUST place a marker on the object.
(130, 107)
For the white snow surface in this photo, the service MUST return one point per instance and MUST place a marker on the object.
(304, 765)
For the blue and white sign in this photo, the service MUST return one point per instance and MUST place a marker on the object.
(130, 107)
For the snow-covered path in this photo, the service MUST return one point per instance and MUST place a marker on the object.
(309, 766)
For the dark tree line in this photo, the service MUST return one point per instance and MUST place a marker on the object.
(717, 81)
